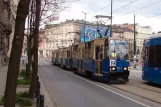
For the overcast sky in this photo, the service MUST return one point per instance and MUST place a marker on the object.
(95, 7)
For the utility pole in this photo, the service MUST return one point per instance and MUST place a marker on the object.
(84, 24)
(134, 38)
(111, 16)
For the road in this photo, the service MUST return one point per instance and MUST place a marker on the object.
(136, 75)
(69, 90)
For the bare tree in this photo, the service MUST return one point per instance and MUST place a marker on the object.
(49, 11)
(35, 47)
(14, 61)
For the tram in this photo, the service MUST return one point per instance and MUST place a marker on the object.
(103, 58)
(151, 70)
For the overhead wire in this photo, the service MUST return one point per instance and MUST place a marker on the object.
(155, 15)
(142, 7)
(105, 7)
(125, 5)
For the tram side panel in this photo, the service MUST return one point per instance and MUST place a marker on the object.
(152, 60)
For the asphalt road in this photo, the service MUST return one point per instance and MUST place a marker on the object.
(69, 90)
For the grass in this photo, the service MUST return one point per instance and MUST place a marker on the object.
(23, 81)
(22, 99)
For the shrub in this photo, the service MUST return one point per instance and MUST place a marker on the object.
(23, 94)
(2, 100)
(21, 99)
(23, 73)
(23, 102)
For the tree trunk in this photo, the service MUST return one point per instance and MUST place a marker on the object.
(14, 61)
(35, 50)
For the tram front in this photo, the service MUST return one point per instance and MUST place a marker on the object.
(118, 57)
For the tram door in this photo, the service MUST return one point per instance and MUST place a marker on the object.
(80, 59)
(98, 58)
(68, 57)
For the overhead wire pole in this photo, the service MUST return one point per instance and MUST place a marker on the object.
(134, 38)
(111, 16)
(85, 13)
(84, 23)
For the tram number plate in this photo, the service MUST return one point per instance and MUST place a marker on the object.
(112, 63)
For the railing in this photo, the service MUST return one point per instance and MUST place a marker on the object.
(39, 98)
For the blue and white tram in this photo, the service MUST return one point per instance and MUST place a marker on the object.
(152, 59)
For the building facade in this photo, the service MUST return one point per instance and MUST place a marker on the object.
(59, 35)
(141, 33)
(67, 33)
(127, 34)
(5, 31)
(13, 10)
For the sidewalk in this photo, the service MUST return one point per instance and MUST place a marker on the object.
(44, 91)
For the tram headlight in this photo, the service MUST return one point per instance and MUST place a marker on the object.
(113, 68)
(125, 68)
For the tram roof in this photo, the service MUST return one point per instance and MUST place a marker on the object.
(154, 36)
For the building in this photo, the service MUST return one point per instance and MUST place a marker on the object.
(66, 33)
(5, 31)
(13, 10)
(128, 34)
(141, 33)
(42, 40)
(56, 36)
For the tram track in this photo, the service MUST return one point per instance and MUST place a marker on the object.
(140, 89)
(145, 85)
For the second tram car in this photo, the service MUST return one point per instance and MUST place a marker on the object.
(152, 59)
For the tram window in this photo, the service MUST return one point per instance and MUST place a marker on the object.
(157, 53)
(101, 56)
(97, 52)
(146, 53)
(155, 56)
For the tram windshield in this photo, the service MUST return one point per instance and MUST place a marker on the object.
(118, 49)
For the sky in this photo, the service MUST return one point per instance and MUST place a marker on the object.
(103, 7)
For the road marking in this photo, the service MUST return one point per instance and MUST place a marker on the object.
(107, 89)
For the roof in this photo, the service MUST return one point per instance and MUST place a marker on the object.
(154, 36)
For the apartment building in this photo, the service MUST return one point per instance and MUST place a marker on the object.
(141, 33)
(124, 32)
(58, 36)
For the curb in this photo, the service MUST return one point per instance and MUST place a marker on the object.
(48, 91)
(137, 94)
